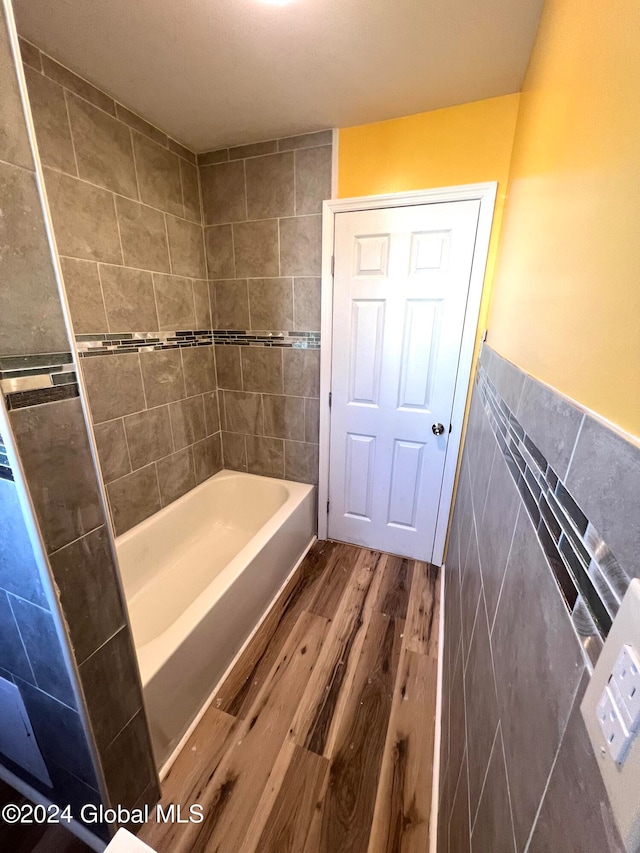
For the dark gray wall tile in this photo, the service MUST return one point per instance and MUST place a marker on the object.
(114, 700)
(459, 830)
(302, 372)
(51, 122)
(127, 763)
(262, 369)
(114, 385)
(551, 422)
(54, 446)
(199, 370)
(59, 733)
(211, 412)
(85, 575)
(256, 249)
(313, 178)
(495, 531)
(575, 813)
(284, 417)
(144, 236)
(508, 380)
(40, 638)
(265, 456)
(148, 436)
(300, 246)
(536, 676)
(84, 294)
(234, 451)
(19, 572)
(223, 193)
(129, 299)
(32, 319)
(481, 705)
(112, 449)
(604, 478)
(253, 149)
(207, 457)
(176, 475)
(493, 827)
(134, 498)
(163, 376)
(228, 369)
(84, 219)
(306, 140)
(242, 412)
(103, 148)
(188, 421)
(270, 186)
(13, 656)
(301, 462)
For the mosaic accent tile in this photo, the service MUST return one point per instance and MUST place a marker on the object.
(5, 469)
(590, 578)
(29, 380)
(92, 345)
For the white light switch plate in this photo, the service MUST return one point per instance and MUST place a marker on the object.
(622, 780)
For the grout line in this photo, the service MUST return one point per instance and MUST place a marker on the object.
(135, 164)
(484, 778)
(246, 199)
(166, 233)
(566, 474)
(8, 596)
(104, 302)
(506, 774)
(504, 574)
(73, 144)
(126, 443)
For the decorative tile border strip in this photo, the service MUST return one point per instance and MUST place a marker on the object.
(124, 342)
(5, 469)
(590, 579)
(29, 380)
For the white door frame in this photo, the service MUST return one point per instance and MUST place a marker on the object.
(486, 195)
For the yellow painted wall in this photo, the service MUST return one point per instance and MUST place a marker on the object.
(566, 294)
(467, 144)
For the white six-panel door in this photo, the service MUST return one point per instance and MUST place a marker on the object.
(401, 281)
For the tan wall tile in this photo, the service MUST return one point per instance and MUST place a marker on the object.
(163, 376)
(148, 436)
(256, 248)
(270, 186)
(112, 449)
(158, 171)
(190, 191)
(234, 451)
(223, 193)
(32, 319)
(77, 85)
(301, 462)
(271, 303)
(301, 246)
(103, 148)
(114, 385)
(139, 124)
(84, 294)
(313, 179)
(176, 475)
(307, 304)
(284, 417)
(228, 369)
(302, 372)
(265, 456)
(232, 303)
(143, 234)
(207, 457)
(174, 298)
(186, 248)
(84, 219)
(134, 498)
(51, 122)
(14, 141)
(129, 299)
(262, 369)
(202, 305)
(219, 247)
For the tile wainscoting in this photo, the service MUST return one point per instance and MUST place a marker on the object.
(539, 556)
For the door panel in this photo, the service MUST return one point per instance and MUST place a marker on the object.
(401, 282)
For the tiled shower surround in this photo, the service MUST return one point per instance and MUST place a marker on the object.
(541, 551)
(152, 285)
(262, 208)
(64, 638)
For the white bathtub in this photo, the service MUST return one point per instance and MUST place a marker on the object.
(198, 576)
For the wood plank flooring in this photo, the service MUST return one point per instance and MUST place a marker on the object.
(321, 738)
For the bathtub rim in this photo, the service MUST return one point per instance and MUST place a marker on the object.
(154, 654)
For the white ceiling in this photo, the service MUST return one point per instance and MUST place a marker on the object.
(222, 72)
